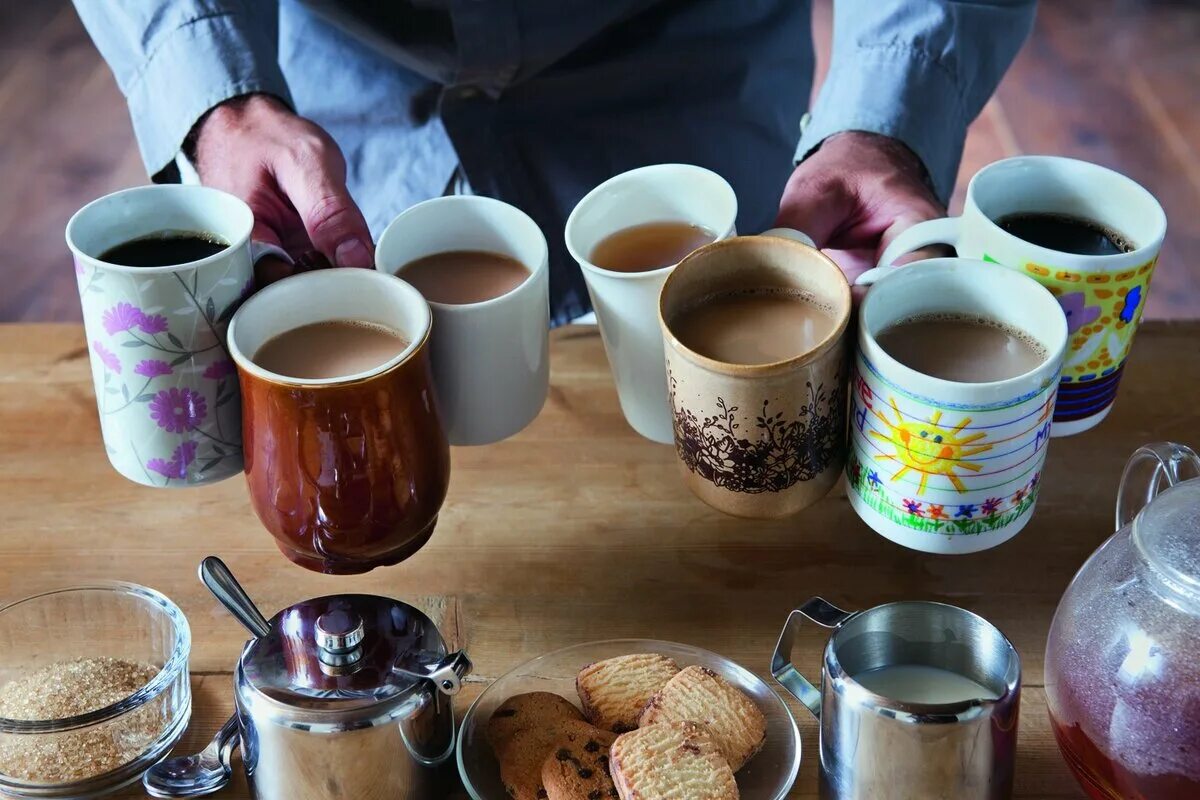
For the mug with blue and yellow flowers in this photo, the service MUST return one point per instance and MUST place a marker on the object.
(946, 466)
(1103, 296)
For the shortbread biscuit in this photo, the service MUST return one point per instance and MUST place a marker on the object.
(577, 767)
(615, 691)
(532, 710)
(671, 761)
(700, 695)
(522, 756)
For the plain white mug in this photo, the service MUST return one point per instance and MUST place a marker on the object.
(626, 303)
(491, 360)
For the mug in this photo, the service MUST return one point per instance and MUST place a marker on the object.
(165, 385)
(491, 360)
(942, 466)
(759, 440)
(877, 748)
(626, 303)
(346, 473)
(1102, 296)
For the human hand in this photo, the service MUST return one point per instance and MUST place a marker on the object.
(292, 175)
(854, 195)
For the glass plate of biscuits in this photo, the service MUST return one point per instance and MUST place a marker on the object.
(625, 718)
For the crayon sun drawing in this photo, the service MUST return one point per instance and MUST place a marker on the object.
(929, 448)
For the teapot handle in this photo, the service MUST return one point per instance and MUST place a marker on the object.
(1151, 469)
(825, 614)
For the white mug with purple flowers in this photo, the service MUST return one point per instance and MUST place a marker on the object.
(947, 466)
(166, 388)
(1102, 292)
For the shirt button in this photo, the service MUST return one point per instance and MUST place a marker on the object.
(466, 92)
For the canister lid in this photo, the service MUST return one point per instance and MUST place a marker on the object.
(350, 656)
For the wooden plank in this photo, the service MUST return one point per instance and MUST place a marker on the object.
(576, 529)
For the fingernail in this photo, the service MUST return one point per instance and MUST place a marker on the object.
(352, 253)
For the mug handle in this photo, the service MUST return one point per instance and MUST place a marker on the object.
(825, 614)
(260, 249)
(1167, 463)
(790, 233)
(932, 231)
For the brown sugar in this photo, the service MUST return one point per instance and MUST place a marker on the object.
(67, 689)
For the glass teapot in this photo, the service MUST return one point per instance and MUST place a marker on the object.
(1123, 656)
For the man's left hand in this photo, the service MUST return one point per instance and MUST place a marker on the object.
(854, 195)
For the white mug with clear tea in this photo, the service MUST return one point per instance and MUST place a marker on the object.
(698, 203)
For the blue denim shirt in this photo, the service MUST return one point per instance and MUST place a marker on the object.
(540, 100)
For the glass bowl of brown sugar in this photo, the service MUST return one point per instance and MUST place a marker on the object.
(93, 689)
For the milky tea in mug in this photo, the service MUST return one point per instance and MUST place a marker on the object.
(951, 397)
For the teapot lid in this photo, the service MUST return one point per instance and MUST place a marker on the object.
(342, 660)
(1167, 531)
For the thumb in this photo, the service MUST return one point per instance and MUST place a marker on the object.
(336, 227)
(814, 206)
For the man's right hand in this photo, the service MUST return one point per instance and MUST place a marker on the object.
(291, 174)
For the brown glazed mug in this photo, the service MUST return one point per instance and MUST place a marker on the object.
(760, 440)
(347, 473)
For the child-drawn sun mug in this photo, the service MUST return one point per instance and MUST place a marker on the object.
(938, 465)
(1102, 295)
(166, 389)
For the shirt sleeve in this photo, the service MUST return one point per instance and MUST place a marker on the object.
(176, 59)
(916, 70)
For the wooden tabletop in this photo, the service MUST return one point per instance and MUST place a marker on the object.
(576, 529)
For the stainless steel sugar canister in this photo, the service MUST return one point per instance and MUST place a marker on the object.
(347, 696)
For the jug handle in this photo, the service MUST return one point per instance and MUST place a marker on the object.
(825, 614)
(1168, 464)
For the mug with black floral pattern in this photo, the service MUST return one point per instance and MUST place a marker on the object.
(166, 388)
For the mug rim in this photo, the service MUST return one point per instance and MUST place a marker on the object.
(842, 315)
(585, 263)
(245, 362)
(907, 375)
(160, 188)
(1139, 253)
(960, 708)
(470, 199)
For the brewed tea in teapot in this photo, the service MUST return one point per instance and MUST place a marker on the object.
(1123, 656)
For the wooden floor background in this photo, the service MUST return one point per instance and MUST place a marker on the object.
(1111, 81)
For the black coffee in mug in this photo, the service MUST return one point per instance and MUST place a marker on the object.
(1066, 233)
(164, 249)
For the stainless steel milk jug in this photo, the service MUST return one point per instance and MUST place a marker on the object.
(875, 748)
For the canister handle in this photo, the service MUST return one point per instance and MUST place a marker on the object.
(1151, 469)
(825, 614)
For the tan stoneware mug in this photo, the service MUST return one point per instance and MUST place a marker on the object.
(759, 440)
